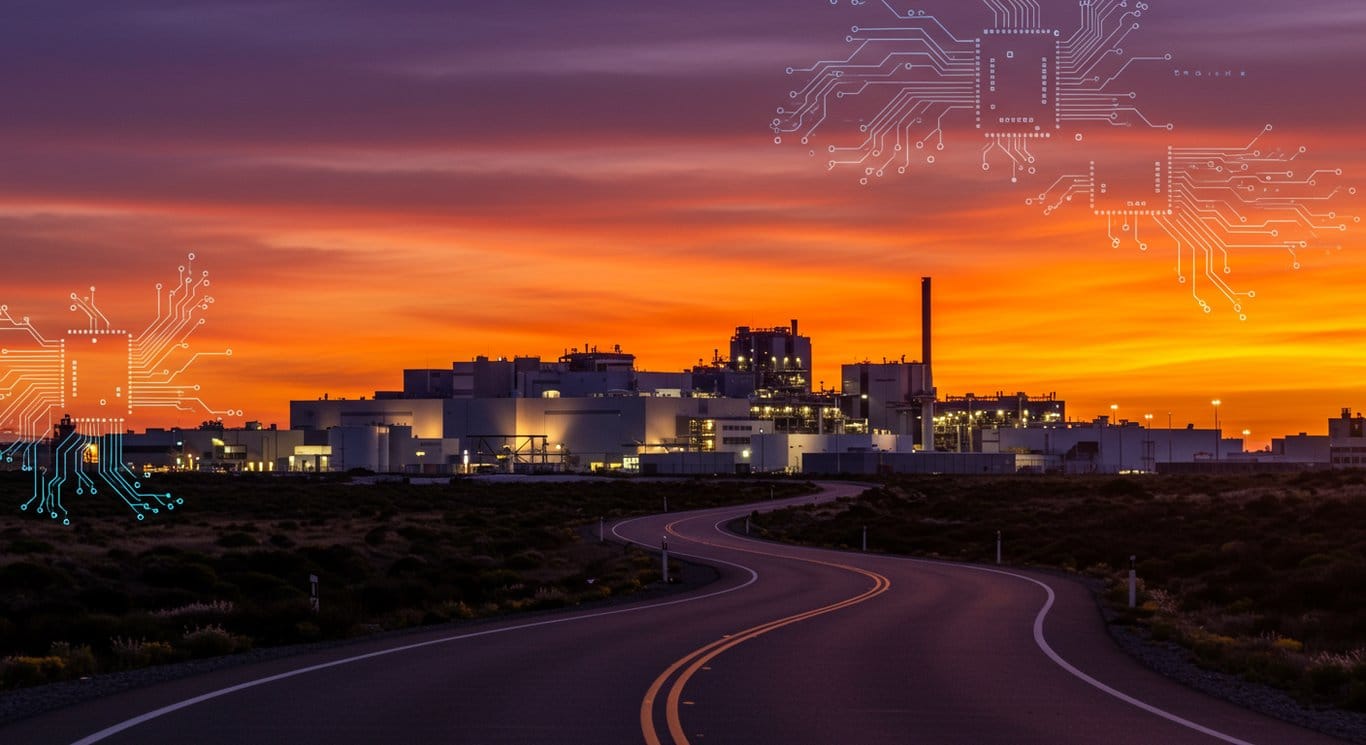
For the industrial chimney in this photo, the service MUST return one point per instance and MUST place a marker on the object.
(925, 330)
(927, 395)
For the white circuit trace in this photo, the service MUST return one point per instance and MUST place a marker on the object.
(1019, 85)
(93, 378)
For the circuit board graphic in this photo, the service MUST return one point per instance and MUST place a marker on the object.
(66, 399)
(911, 90)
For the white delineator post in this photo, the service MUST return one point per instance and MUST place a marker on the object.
(664, 545)
(1133, 582)
(313, 592)
(865, 539)
(998, 548)
(746, 524)
(602, 535)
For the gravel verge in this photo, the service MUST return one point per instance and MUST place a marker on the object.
(1177, 663)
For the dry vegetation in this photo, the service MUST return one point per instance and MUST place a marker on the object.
(230, 570)
(1263, 576)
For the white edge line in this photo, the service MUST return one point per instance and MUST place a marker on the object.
(171, 708)
(1042, 641)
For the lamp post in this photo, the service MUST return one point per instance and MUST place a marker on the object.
(1114, 422)
(1217, 436)
(1148, 445)
(1169, 437)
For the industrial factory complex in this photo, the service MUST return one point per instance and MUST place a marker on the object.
(752, 411)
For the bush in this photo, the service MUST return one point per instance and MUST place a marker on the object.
(130, 654)
(211, 641)
(16, 672)
(78, 660)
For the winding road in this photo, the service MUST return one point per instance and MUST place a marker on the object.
(791, 645)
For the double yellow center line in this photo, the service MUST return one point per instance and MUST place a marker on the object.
(683, 669)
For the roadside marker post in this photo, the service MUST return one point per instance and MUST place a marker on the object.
(602, 535)
(746, 524)
(865, 539)
(664, 544)
(998, 548)
(666, 502)
(313, 592)
(1133, 582)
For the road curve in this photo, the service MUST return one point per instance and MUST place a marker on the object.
(791, 645)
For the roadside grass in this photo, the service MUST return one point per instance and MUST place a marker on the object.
(1260, 576)
(230, 569)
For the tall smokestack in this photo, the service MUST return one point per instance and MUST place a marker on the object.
(928, 395)
(925, 328)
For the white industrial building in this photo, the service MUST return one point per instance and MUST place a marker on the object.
(584, 433)
(1104, 447)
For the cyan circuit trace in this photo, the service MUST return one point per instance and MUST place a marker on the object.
(64, 400)
(915, 87)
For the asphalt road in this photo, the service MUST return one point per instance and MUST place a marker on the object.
(790, 646)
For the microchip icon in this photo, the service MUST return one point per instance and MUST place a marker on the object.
(1018, 82)
(69, 399)
(98, 375)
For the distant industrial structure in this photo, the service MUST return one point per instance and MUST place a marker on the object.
(752, 412)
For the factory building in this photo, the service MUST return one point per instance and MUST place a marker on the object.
(1347, 440)
(779, 358)
(897, 397)
(547, 433)
(213, 447)
(1103, 446)
(1303, 449)
(894, 397)
(960, 420)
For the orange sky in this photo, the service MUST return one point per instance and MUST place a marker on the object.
(650, 210)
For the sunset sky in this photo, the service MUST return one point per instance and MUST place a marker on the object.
(381, 185)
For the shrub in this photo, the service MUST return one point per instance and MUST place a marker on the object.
(79, 660)
(1327, 680)
(211, 641)
(213, 608)
(1288, 645)
(16, 672)
(130, 654)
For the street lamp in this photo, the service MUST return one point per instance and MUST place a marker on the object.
(1114, 421)
(1217, 436)
(1148, 445)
